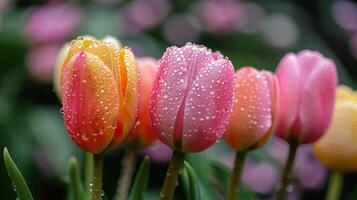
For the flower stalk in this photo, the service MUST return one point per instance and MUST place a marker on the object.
(287, 173)
(335, 185)
(236, 174)
(96, 190)
(168, 188)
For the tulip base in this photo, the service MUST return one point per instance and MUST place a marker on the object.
(96, 190)
(236, 174)
(282, 191)
(335, 185)
(168, 189)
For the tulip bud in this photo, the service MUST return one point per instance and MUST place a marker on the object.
(254, 110)
(192, 97)
(98, 82)
(337, 149)
(307, 82)
(143, 133)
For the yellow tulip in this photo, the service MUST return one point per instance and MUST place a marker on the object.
(337, 149)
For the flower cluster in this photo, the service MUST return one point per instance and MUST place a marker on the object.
(191, 98)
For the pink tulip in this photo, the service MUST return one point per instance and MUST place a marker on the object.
(344, 14)
(52, 22)
(222, 16)
(140, 15)
(254, 110)
(192, 97)
(41, 61)
(307, 94)
(4, 5)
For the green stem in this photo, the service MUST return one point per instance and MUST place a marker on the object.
(335, 185)
(126, 175)
(97, 192)
(287, 173)
(236, 174)
(88, 172)
(168, 189)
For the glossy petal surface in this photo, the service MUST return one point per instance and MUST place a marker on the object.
(128, 93)
(252, 116)
(90, 102)
(337, 149)
(186, 87)
(288, 73)
(307, 94)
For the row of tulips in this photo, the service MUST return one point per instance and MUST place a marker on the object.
(191, 98)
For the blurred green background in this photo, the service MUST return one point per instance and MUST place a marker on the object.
(255, 33)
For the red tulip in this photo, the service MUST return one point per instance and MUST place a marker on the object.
(192, 97)
(143, 134)
(307, 83)
(254, 110)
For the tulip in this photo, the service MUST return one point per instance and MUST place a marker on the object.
(190, 103)
(252, 119)
(254, 110)
(52, 22)
(140, 15)
(307, 95)
(337, 148)
(143, 134)
(98, 88)
(307, 82)
(222, 16)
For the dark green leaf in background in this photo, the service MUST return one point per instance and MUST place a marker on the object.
(141, 181)
(191, 182)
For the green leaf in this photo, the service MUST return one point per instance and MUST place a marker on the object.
(221, 174)
(205, 173)
(141, 181)
(20, 186)
(75, 184)
(191, 182)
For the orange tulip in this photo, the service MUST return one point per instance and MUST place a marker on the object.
(253, 116)
(98, 88)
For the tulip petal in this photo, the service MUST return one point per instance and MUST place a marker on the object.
(90, 102)
(317, 101)
(308, 59)
(208, 106)
(128, 94)
(167, 93)
(289, 74)
(337, 148)
(273, 85)
(106, 52)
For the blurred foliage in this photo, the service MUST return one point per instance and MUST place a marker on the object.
(31, 125)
